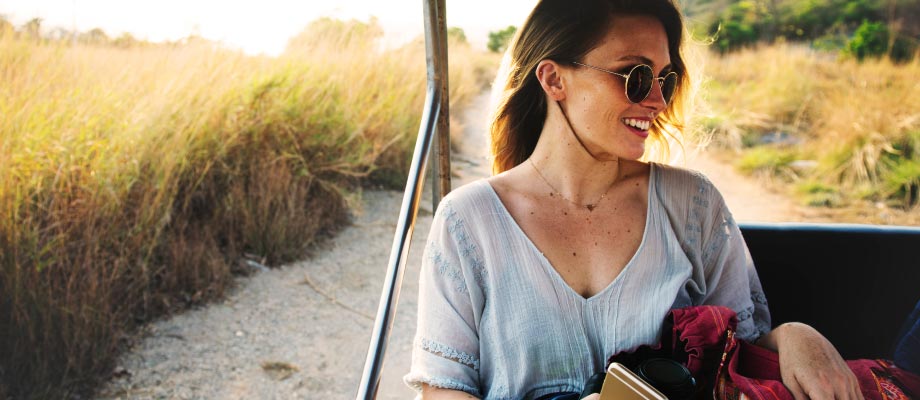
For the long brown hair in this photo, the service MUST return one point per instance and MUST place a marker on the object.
(565, 30)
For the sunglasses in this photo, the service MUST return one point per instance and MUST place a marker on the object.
(639, 82)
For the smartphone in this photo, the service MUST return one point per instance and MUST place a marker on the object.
(623, 384)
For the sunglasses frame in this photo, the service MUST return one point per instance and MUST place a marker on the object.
(660, 79)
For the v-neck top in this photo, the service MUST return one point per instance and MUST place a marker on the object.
(497, 320)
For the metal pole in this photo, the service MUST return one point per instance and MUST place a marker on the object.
(435, 36)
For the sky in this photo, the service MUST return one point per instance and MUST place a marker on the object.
(259, 26)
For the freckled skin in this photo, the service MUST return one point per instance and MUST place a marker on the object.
(589, 246)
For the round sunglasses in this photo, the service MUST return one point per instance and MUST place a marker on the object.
(639, 82)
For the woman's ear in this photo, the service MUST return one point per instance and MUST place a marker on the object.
(549, 74)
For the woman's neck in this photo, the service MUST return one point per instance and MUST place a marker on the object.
(567, 166)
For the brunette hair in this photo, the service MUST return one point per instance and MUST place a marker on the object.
(565, 30)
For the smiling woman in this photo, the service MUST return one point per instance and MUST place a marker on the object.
(576, 250)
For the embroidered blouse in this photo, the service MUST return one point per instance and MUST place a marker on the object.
(497, 321)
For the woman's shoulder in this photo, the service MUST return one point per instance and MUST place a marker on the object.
(466, 198)
(687, 194)
(674, 172)
(675, 180)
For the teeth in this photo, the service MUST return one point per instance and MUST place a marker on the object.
(638, 124)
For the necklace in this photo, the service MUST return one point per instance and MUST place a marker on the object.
(589, 206)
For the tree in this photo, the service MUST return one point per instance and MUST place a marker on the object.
(740, 25)
(904, 29)
(335, 34)
(95, 36)
(499, 40)
(869, 40)
(456, 34)
(126, 40)
(59, 34)
(33, 29)
(6, 27)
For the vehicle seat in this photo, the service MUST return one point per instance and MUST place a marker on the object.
(856, 284)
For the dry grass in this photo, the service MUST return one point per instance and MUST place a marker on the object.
(846, 128)
(135, 179)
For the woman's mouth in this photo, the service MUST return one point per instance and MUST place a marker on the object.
(638, 126)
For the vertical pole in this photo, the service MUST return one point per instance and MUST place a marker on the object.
(436, 58)
(440, 169)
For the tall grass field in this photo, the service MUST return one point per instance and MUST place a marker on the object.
(838, 134)
(134, 179)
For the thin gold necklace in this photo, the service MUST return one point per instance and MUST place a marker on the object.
(589, 206)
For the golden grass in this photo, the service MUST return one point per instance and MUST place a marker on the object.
(858, 122)
(134, 179)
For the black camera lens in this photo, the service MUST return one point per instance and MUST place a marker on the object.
(668, 376)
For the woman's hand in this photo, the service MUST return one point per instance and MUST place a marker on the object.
(810, 365)
(594, 396)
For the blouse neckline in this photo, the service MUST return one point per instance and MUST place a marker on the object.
(549, 265)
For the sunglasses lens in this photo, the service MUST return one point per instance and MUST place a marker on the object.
(668, 86)
(639, 83)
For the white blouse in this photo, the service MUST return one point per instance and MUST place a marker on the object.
(497, 321)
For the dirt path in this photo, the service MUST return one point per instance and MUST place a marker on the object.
(301, 331)
(746, 198)
(313, 319)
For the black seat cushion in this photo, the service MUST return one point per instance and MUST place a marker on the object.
(856, 284)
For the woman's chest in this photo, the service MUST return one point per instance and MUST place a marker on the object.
(588, 249)
(532, 317)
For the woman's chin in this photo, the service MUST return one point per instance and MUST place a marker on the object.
(621, 156)
(634, 153)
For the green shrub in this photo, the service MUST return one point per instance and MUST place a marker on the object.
(903, 49)
(869, 40)
(900, 173)
(739, 26)
(499, 40)
(902, 181)
(818, 194)
(765, 159)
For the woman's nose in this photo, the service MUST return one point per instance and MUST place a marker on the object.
(655, 98)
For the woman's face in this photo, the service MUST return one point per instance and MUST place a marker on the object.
(610, 126)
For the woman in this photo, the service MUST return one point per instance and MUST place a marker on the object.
(575, 250)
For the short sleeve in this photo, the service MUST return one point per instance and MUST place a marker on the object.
(445, 351)
(730, 277)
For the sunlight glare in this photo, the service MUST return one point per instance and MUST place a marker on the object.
(258, 27)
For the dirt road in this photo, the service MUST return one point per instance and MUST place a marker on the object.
(746, 198)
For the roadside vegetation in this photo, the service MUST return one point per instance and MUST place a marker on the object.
(820, 98)
(837, 134)
(139, 178)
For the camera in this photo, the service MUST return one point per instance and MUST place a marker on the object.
(654, 378)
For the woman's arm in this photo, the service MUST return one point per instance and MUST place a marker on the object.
(810, 365)
(436, 393)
